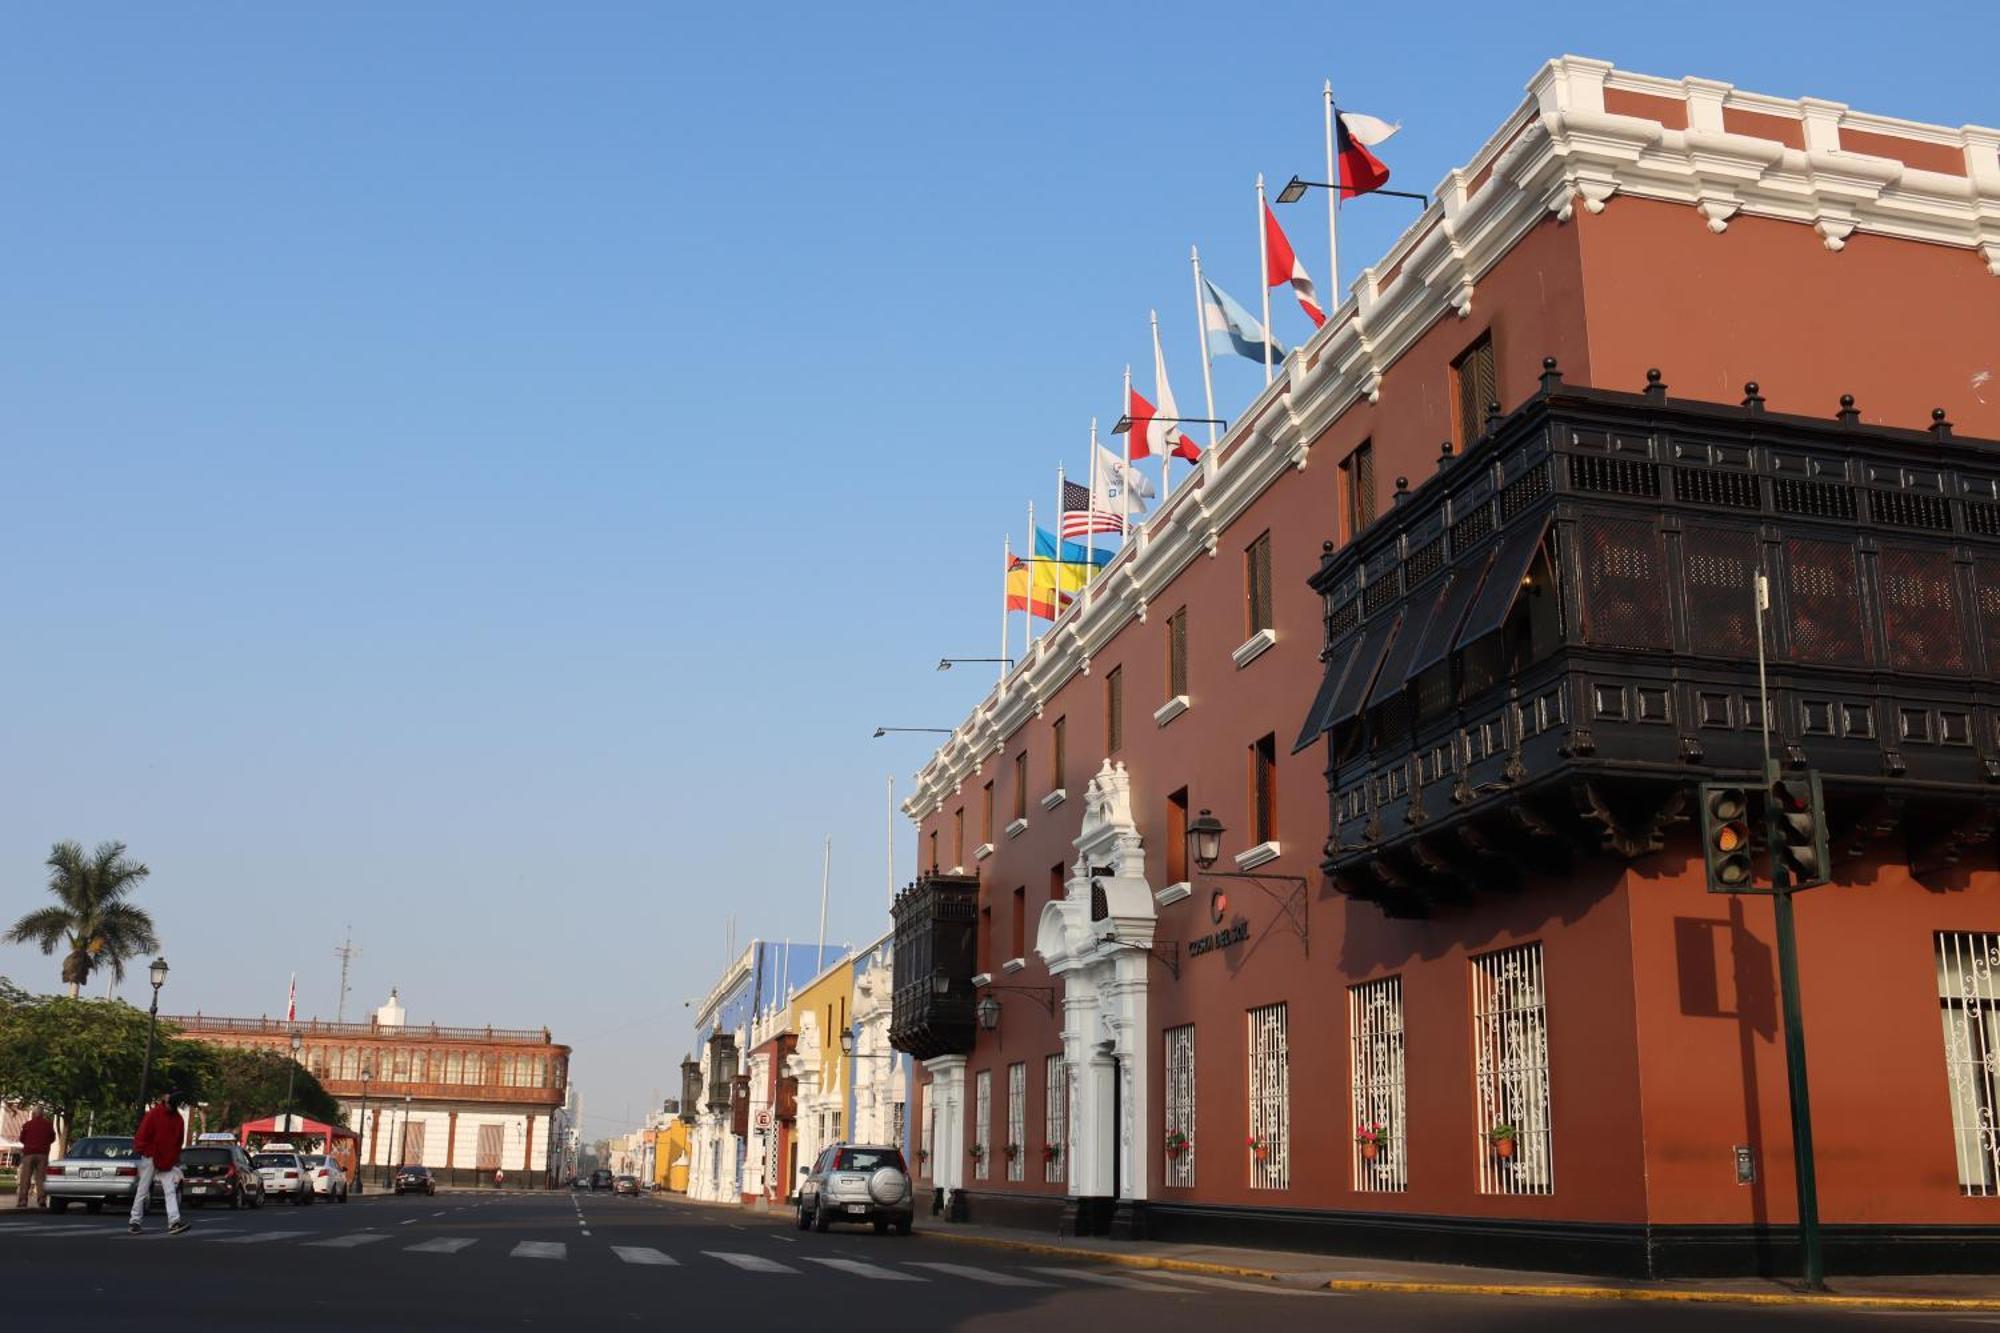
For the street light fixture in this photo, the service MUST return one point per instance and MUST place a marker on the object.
(1295, 190)
(880, 732)
(940, 983)
(1125, 424)
(157, 973)
(361, 1150)
(1204, 838)
(988, 1011)
(947, 663)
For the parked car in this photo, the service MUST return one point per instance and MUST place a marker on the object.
(415, 1180)
(600, 1179)
(626, 1185)
(857, 1182)
(327, 1177)
(579, 1182)
(214, 1172)
(95, 1170)
(285, 1173)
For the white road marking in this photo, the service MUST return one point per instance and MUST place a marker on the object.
(750, 1263)
(438, 1213)
(351, 1239)
(860, 1269)
(442, 1245)
(406, 1221)
(985, 1275)
(259, 1237)
(540, 1249)
(1104, 1279)
(640, 1254)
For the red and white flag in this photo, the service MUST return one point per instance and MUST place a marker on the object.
(1360, 170)
(292, 1000)
(1164, 436)
(1281, 266)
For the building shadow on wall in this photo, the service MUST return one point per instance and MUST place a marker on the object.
(1372, 943)
(1728, 974)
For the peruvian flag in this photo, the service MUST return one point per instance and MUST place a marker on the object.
(1151, 436)
(1282, 266)
(292, 1000)
(1165, 437)
(1354, 134)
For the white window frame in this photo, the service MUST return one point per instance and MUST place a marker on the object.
(1968, 981)
(1178, 1066)
(1270, 1100)
(1510, 1036)
(1017, 1120)
(1376, 1076)
(1055, 1121)
(982, 1121)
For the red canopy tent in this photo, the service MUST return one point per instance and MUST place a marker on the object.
(337, 1142)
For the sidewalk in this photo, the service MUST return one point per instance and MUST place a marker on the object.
(1332, 1272)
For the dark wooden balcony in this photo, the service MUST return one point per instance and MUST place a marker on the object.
(1537, 654)
(937, 924)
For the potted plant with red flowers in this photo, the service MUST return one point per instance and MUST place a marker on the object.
(1260, 1148)
(1502, 1137)
(1051, 1152)
(1373, 1136)
(977, 1152)
(1178, 1142)
(1012, 1150)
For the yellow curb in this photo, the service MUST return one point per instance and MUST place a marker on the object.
(1571, 1293)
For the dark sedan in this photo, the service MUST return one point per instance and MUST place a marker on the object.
(415, 1180)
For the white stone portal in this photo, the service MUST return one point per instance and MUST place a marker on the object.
(1096, 941)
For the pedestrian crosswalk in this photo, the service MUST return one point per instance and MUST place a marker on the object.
(883, 1268)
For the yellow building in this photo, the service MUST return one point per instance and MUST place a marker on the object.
(821, 1011)
(670, 1157)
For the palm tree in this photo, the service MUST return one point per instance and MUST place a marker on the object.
(91, 913)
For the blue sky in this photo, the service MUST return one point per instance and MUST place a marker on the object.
(481, 471)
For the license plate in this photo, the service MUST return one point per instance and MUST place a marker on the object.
(857, 1207)
(92, 1172)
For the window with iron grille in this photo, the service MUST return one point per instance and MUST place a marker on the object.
(1058, 753)
(1114, 710)
(1264, 789)
(1721, 566)
(1270, 1101)
(1988, 574)
(1375, 1037)
(1510, 1035)
(1478, 387)
(982, 1121)
(1016, 1148)
(1177, 653)
(1257, 580)
(896, 1123)
(1357, 479)
(1969, 998)
(958, 836)
(986, 814)
(1823, 593)
(1179, 1064)
(1055, 1119)
(1021, 785)
(1624, 584)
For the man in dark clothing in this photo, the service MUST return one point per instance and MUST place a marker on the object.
(158, 1144)
(37, 1137)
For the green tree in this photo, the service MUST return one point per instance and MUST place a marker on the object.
(91, 913)
(82, 1059)
(241, 1085)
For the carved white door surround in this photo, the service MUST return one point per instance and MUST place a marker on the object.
(947, 1101)
(1096, 941)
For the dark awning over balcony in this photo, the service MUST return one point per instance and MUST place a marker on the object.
(1441, 635)
(1417, 620)
(1503, 583)
(1346, 701)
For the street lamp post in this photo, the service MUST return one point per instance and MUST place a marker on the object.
(292, 1077)
(157, 974)
(361, 1150)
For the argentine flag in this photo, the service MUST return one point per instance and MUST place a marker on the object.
(1232, 330)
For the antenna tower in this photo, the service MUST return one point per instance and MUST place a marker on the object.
(346, 953)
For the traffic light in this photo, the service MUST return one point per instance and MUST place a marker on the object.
(1799, 815)
(1725, 836)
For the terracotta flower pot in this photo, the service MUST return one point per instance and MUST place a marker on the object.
(1503, 1148)
(1370, 1150)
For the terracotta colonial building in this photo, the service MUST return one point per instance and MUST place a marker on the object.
(1444, 639)
(465, 1102)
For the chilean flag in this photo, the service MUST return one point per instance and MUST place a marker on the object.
(1360, 170)
(1282, 266)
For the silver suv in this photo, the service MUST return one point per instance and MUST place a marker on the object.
(857, 1182)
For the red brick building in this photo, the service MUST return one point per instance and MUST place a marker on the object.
(1472, 895)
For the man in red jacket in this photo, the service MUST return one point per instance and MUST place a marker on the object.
(158, 1144)
(37, 1137)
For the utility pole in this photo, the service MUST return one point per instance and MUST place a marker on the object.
(346, 953)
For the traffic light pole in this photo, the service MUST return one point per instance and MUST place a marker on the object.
(1793, 1010)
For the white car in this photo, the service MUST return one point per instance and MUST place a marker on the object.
(284, 1173)
(327, 1177)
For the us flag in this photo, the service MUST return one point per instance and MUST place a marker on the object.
(1079, 518)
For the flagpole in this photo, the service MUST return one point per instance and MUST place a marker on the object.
(1006, 642)
(1125, 476)
(1166, 454)
(1034, 568)
(1059, 533)
(1201, 333)
(1332, 211)
(1263, 276)
(1090, 510)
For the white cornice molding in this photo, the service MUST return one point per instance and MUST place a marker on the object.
(1558, 150)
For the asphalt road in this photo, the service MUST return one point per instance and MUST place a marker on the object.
(588, 1261)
